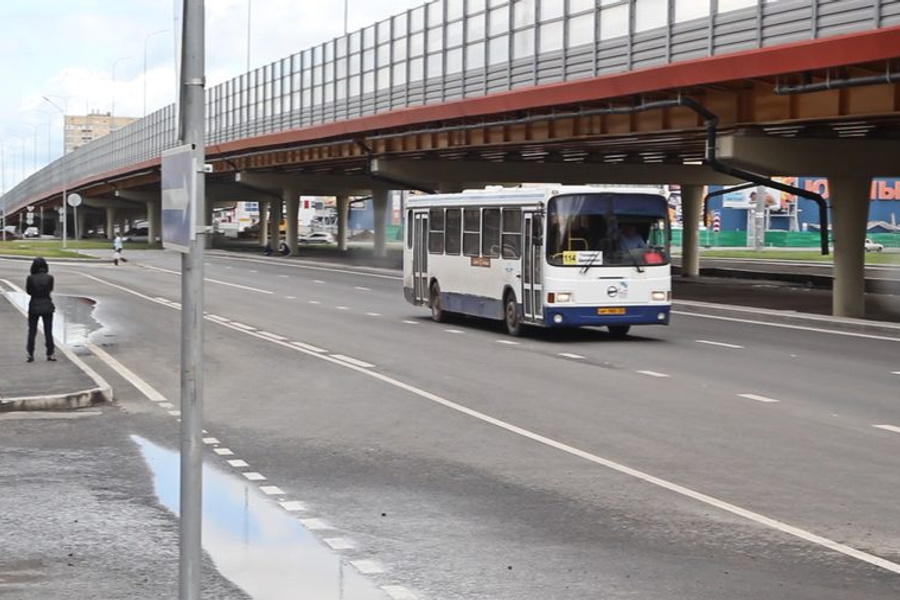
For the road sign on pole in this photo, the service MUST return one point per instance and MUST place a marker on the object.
(179, 192)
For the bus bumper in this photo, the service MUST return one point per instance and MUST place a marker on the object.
(581, 316)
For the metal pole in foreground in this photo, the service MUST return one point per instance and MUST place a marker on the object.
(191, 131)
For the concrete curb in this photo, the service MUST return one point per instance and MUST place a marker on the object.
(101, 394)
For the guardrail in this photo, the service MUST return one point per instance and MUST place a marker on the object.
(452, 49)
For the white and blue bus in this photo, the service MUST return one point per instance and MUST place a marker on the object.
(563, 256)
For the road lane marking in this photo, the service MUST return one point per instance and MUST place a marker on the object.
(758, 398)
(252, 476)
(242, 326)
(292, 505)
(273, 336)
(893, 428)
(309, 347)
(318, 281)
(454, 331)
(210, 440)
(166, 405)
(342, 307)
(721, 344)
(353, 361)
(223, 451)
(867, 336)
(373, 314)
(340, 543)
(681, 490)
(290, 297)
(314, 302)
(398, 592)
(283, 276)
(895, 372)
(361, 288)
(570, 355)
(411, 322)
(653, 374)
(216, 281)
(271, 490)
(218, 319)
(238, 463)
(253, 271)
(367, 567)
(507, 342)
(315, 524)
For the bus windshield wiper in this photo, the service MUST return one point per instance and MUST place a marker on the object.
(591, 262)
(637, 263)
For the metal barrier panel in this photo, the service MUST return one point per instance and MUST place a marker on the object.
(451, 49)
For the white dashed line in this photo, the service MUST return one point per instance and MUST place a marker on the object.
(271, 490)
(318, 281)
(210, 440)
(238, 463)
(290, 297)
(454, 331)
(339, 543)
(251, 476)
(175, 413)
(253, 271)
(315, 524)
(507, 342)
(373, 314)
(568, 355)
(242, 326)
(166, 405)
(223, 451)
(721, 344)
(314, 302)
(411, 322)
(292, 506)
(367, 567)
(352, 361)
(398, 592)
(758, 398)
(361, 288)
(893, 428)
(283, 276)
(309, 347)
(653, 374)
(342, 308)
(273, 336)
(895, 372)
(218, 319)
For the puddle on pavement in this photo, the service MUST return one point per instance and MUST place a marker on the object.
(73, 322)
(254, 542)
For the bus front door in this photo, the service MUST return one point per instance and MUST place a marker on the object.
(420, 258)
(532, 256)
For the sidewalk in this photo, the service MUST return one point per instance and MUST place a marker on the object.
(42, 385)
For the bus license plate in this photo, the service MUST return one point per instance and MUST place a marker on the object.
(610, 311)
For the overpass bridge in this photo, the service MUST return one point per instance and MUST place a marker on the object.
(456, 94)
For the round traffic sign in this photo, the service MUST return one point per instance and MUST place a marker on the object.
(74, 200)
(29, 218)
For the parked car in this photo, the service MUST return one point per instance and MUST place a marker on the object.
(31, 232)
(873, 246)
(317, 237)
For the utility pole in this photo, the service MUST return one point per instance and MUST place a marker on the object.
(191, 132)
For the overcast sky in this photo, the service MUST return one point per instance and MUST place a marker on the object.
(73, 50)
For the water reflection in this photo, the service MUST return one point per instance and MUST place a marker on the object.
(73, 322)
(255, 543)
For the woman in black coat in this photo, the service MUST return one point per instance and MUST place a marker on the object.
(39, 286)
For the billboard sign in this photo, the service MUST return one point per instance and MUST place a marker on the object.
(179, 192)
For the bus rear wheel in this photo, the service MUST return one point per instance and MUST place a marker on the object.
(619, 331)
(511, 316)
(434, 301)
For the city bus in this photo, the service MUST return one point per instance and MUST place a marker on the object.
(553, 256)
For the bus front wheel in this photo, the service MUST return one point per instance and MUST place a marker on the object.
(619, 331)
(511, 316)
(437, 308)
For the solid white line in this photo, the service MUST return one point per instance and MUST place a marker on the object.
(722, 344)
(238, 463)
(309, 347)
(292, 506)
(223, 451)
(893, 428)
(867, 336)
(315, 524)
(271, 490)
(240, 287)
(142, 386)
(758, 398)
(569, 355)
(367, 567)
(254, 476)
(218, 319)
(340, 543)
(653, 374)
(242, 326)
(353, 361)
(507, 342)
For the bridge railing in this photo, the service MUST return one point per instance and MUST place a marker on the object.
(452, 49)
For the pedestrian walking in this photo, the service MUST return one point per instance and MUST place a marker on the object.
(118, 246)
(39, 286)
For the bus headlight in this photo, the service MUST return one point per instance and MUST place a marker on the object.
(659, 296)
(562, 297)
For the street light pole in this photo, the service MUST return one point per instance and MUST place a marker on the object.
(63, 114)
(146, 39)
(249, 11)
(112, 125)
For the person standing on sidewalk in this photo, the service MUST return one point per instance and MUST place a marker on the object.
(40, 308)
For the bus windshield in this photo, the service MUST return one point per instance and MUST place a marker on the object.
(607, 229)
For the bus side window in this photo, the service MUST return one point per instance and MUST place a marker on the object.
(471, 231)
(453, 239)
(512, 233)
(409, 228)
(490, 233)
(436, 231)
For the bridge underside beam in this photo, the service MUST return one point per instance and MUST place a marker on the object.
(313, 185)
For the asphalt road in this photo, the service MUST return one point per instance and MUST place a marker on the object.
(710, 459)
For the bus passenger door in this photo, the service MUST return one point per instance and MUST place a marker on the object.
(532, 256)
(420, 257)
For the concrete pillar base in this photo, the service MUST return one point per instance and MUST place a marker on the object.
(343, 215)
(380, 200)
(850, 215)
(691, 207)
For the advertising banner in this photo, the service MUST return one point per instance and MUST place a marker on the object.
(179, 191)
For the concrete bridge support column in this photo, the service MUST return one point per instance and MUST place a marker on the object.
(276, 210)
(154, 224)
(850, 215)
(380, 200)
(292, 212)
(263, 223)
(110, 223)
(343, 218)
(80, 223)
(691, 207)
